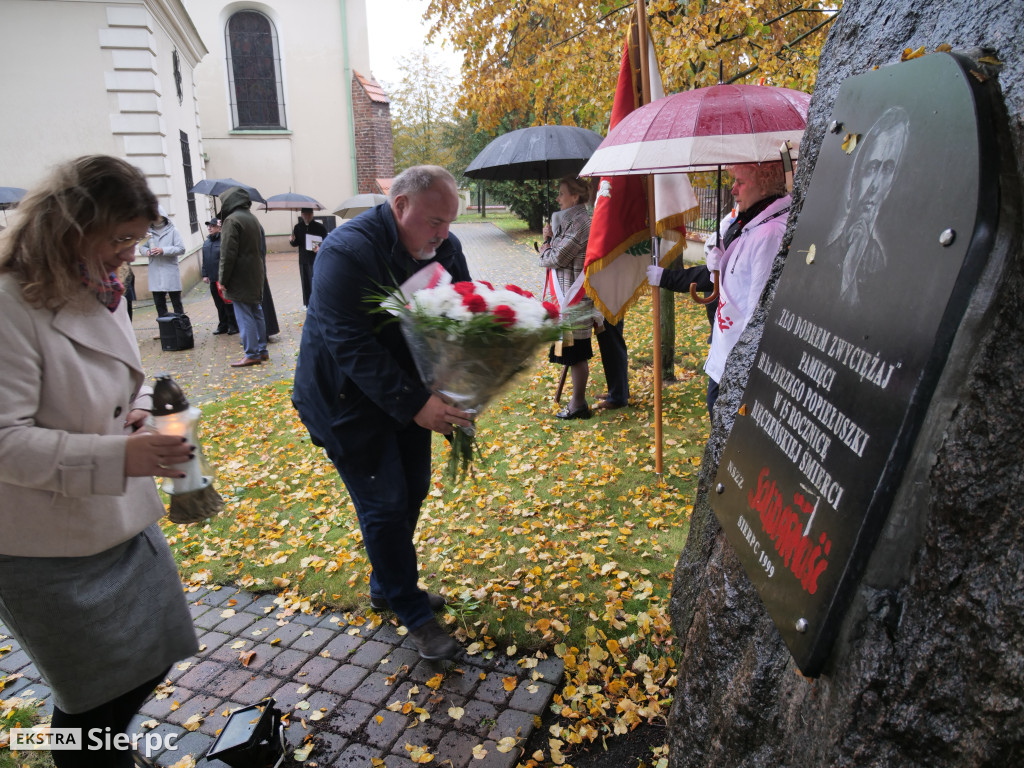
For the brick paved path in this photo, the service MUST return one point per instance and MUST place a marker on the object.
(360, 687)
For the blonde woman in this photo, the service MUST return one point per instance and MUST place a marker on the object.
(87, 583)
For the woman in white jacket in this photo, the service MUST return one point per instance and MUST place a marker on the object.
(745, 258)
(88, 586)
(164, 248)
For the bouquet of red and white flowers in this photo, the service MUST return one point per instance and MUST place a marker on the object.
(468, 340)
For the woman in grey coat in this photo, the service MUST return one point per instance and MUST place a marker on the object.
(163, 249)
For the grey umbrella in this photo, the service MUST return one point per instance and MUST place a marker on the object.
(359, 203)
(217, 187)
(540, 152)
(291, 201)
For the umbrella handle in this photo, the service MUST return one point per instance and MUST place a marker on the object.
(714, 293)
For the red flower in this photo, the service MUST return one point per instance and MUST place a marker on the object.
(505, 315)
(464, 288)
(520, 291)
(474, 302)
(552, 309)
(484, 282)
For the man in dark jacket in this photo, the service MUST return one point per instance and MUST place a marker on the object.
(359, 394)
(211, 275)
(307, 236)
(242, 272)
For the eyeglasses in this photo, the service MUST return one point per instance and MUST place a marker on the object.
(129, 240)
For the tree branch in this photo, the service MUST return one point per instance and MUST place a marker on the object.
(809, 32)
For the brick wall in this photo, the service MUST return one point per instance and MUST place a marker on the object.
(375, 156)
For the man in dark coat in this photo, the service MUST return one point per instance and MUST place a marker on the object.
(211, 274)
(307, 236)
(242, 272)
(359, 394)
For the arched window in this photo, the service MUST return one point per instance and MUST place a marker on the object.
(254, 71)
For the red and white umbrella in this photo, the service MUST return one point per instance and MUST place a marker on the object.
(702, 129)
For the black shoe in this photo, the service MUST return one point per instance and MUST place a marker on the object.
(432, 642)
(232, 331)
(608, 405)
(579, 413)
(219, 331)
(437, 602)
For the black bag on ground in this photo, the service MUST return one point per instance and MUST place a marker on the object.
(175, 332)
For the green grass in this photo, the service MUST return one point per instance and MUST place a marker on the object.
(564, 542)
(18, 712)
(559, 516)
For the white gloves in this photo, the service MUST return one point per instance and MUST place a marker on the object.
(654, 275)
(713, 257)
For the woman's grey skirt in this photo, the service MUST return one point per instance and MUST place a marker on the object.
(98, 626)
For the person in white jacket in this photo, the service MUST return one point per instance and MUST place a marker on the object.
(164, 248)
(745, 259)
(751, 236)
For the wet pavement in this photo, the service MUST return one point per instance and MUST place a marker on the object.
(353, 687)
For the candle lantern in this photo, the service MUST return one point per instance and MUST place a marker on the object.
(193, 497)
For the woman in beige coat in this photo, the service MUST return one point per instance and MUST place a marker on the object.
(87, 583)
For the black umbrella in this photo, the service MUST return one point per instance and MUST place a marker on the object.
(537, 153)
(9, 196)
(540, 152)
(217, 187)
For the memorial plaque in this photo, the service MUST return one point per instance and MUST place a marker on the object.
(895, 229)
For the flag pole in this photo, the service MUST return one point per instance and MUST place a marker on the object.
(645, 79)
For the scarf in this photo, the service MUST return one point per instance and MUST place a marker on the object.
(108, 291)
(744, 218)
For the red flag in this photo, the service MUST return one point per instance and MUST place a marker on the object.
(616, 279)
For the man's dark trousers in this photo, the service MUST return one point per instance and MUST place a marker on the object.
(306, 276)
(225, 311)
(387, 491)
(615, 359)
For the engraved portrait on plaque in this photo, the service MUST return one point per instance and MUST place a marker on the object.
(895, 227)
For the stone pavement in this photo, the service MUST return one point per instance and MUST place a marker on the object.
(353, 685)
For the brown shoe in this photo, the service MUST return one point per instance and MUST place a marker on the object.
(432, 642)
(608, 405)
(264, 355)
(246, 361)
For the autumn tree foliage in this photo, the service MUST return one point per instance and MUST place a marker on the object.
(423, 113)
(555, 61)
